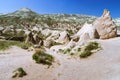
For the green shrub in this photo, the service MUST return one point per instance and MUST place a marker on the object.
(19, 73)
(43, 58)
(85, 54)
(79, 49)
(87, 51)
(67, 50)
(92, 46)
(70, 32)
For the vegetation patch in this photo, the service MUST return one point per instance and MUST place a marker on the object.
(87, 51)
(70, 31)
(65, 51)
(24, 45)
(79, 49)
(19, 73)
(7, 44)
(41, 57)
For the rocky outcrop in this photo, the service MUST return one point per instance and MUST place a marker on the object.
(30, 38)
(105, 27)
(48, 43)
(86, 33)
(34, 38)
(1, 30)
(64, 37)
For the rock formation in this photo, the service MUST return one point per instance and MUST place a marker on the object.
(34, 38)
(48, 43)
(105, 27)
(30, 38)
(38, 40)
(85, 33)
(64, 37)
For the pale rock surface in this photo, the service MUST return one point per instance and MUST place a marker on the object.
(64, 37)
(87, 32)
(48, 43)
(105, 27)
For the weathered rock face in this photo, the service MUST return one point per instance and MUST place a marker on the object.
(30, 38)
(48, 43)
(87, 32)
(35, 39)
(105, 27)
(64, 37)
(86, 29)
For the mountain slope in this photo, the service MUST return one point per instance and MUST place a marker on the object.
(23, 12)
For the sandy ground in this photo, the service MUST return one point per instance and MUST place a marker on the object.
(103, 65)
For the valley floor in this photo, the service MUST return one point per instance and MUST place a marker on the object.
(103, 65)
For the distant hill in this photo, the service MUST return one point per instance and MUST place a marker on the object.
(23, 12)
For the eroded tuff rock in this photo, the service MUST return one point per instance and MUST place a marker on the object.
(48, 43)
(87, 32)
(30, 38)
(105, 27)
(34, 38)
(64, 37)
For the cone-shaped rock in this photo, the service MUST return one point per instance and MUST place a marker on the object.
(105, 27)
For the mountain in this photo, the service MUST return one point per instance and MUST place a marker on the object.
(23, 12)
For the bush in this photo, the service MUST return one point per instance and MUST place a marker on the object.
(70, 32)
(19, 73)
(79, 49)
(43, 58)
(85, 54)
(92, 46)
(67, 50)
(87, 51)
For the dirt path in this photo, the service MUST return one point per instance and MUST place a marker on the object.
(103, 65)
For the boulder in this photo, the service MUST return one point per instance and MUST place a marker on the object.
(105, 27)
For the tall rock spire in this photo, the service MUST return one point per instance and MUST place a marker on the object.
(105, 27)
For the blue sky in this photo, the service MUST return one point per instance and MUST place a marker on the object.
(89, 7)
